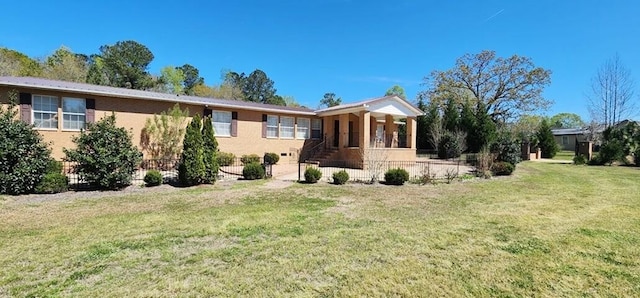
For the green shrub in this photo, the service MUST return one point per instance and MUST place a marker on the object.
(209, 151)
(312, 175)
(54, 166)
(396, 176)
(611, 151)
(340, 177)
(449, 146)
(271, 158)
(507, 148)
(24, 156)
(636, 157)
(104, 155)
(502, 168)
(153, 178)
(191, 170)
(253, 171)
(250, 158)
(225, 159)
(546, 141)
(53, 183)
(596, 160)
(579, 160)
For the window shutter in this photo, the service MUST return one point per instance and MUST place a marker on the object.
(25, 107)
(264, 125)
(321, 128)
(234, 124)
(206, 113)
(90, 110)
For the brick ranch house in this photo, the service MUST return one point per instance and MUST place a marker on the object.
(59, 110)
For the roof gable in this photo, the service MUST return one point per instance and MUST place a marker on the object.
(388, 105)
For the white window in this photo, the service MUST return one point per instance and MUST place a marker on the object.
(45, 111)
(221, 123)
(272, 126)
(316, 128)
(565, 140)
(286, 127)
(302, 131)
(73, 113)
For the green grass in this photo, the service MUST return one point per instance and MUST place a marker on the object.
(564, 155)
(550, 230)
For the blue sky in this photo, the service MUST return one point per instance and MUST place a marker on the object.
(354, 48)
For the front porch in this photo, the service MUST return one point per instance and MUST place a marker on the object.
(354, 131)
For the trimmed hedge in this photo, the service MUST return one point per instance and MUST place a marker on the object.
(502, 168)
(53, 183)
(225, 159)
(250, 158)
(340, 177)
(271, 158)
(153, 178)
(312, 175)
(253, 171)
(396, 176)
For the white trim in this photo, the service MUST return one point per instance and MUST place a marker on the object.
(73, 113)
(56, 113)
(292, 127)
(213, 123)
(277, 127)
(308, 127)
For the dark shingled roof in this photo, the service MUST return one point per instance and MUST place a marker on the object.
(71, 87)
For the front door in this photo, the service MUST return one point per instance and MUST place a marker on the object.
(336, 133)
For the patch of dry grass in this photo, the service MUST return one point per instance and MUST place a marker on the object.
(551, 230)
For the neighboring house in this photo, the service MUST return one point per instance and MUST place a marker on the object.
(567, 137)
(60, 109)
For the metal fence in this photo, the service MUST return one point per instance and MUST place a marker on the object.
(231, 169)
(419, 171)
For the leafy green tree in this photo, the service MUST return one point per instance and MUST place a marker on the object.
(123, 64)
(329, 100)
(191, 79)
(105, 156)
(258, 87)
(485, 130)
(24, 156)
(525, 127)
(566, 120)
(433, 124)
(451, 116)
(161, 137)
(191, 170)
(290, 101)
(223, 91)
(276, 100)
(546, 142)
(422, 127)
(171, 80)
(14, 63)
(397, 91)
(64, 65)
(506, 86)
(468, 124)
(210, 149)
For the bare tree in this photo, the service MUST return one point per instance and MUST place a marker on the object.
(374, 160)
(611, 97)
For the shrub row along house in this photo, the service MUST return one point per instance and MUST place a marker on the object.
(59, 110)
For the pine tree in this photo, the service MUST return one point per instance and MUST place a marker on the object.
(468, 124)
(451, 116)
(422, 127)
(546, 142)
(432, 121)
(192, 168)
(210, 149)
(485, 130)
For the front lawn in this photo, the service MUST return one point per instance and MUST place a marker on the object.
(550, 230)
(564, 155)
